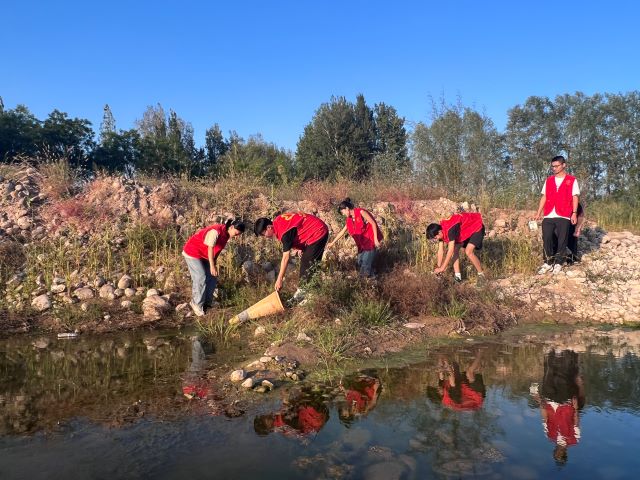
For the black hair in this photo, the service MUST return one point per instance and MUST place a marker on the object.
(559, 158)
(261, 225)
(432, 230)
(346, 203)
(237, 224)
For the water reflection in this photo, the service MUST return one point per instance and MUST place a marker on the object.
(560, 397)
(459, 390)
(488, 407)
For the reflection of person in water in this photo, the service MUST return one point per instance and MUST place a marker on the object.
(194, 386)
(299, 417)
(361, 394)
(561, 397)
(457, 390)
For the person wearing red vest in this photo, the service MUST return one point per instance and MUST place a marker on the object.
(296, 231)
(201, 253)
(464, 230)
(559, 204)
(364, 230)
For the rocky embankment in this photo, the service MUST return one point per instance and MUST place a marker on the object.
(604, 287)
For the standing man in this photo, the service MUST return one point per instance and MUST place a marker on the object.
(559, 203)
(464, 230)
(296, 231)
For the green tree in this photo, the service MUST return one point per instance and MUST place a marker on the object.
(19, 133)
(215, 148)
(67, 137)
(118, 152)
(391, 141)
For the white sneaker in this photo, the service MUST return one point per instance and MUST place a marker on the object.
(197, 309)
(544, 269)
(557, 268)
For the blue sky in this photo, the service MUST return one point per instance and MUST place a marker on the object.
(265, 67)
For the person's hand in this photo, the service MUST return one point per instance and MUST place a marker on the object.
(438, 270)
(214, 271)
(329, 245)
(278, 285)
(377, 243)
(574, 218)
(537, 217)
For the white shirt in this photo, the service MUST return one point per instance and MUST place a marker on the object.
(574, 192)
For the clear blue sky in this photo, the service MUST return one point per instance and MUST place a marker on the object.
(266, 66)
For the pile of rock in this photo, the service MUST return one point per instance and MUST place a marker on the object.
(19, 198)
(264, 374)
(603, 287)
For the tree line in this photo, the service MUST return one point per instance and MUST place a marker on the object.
(459, 149)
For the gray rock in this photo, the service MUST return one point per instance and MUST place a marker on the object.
(248, 383)
(126, 304)
(41, 303)
(152, 292)
(129, 292)
(237, 375)
(155, 307)
(125, 282)
(107, 292)
(58, 288)
(84, 293)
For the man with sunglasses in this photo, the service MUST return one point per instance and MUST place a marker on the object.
(559, 203)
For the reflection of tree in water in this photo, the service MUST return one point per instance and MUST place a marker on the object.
(612, 382)
(102, 379)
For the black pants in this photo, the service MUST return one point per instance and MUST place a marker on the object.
(555, 234)
(311, 257)
(572, 243)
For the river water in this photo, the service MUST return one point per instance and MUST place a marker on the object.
(557, 405)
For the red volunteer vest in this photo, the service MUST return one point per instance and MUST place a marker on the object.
(310, 228)
(362, 232)
(196, 248)
(470, 223)
(561, 198)
(470, 399)
(561, 422)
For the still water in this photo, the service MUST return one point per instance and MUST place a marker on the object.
(561, 405)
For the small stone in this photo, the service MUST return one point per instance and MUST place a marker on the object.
(152, 291)
(154, 307)
(58, 288)
(129, 292)
(303, 337)
(267, 384)
(84, 293)
(84, 307)
(41, 343)
(107, 317)
(126, 304)
(248, 383)
(265, 359)
(260, 330)
(260, 389)
(118, 292)
(41, 303)
(107, 292)
(125, 282)
(99, 281)
(237, 375)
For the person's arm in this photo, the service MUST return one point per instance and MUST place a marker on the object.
(370, 220)
(543, 199)
(574, 214)
(338, 236)
(284, 263)
(450, 250)
(212, 261)
(440, 255)
(288, 239)
(210, 241)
